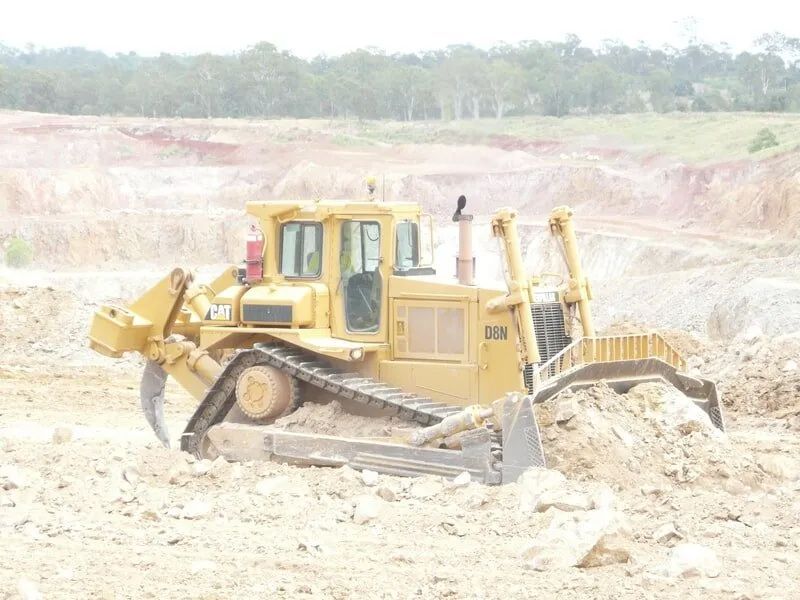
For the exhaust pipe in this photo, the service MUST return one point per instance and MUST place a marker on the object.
(465, 261)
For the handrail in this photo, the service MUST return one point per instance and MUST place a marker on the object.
(610, 348)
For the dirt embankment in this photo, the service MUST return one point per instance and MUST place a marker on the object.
(193, 177)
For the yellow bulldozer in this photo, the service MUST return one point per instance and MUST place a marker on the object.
(339, 299)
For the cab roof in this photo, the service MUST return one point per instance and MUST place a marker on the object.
(321, 209)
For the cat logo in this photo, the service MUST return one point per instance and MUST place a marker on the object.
(219, 312)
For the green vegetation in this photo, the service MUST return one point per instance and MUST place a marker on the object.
(765, 138)
(18, 253)
(459, 82)
(691, 137)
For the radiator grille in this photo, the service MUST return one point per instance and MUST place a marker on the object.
(267, 313)
(551, 335)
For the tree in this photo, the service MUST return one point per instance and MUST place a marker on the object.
(506, 82)
(601, 86)
(551, 78)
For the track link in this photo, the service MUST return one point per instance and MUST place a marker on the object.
(317, 372)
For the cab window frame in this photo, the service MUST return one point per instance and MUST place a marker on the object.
(374, 329)
(300, 241)
(412, 236)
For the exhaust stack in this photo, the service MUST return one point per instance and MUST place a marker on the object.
(465, 261)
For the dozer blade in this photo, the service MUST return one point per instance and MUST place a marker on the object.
(622, 375)
(151, 394)
(239, 442)
(522, 443)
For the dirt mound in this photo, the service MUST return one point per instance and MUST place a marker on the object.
(41, 320)
(333, 419)
(651, 434)
(758, 376)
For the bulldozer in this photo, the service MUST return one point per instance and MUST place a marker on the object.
(340, 299)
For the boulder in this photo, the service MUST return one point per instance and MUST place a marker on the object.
(367, 508)
(779, 466)
(460, 481)
(534, 482)
(178, 471)
(196, 509)
(565, 409)
(369, 478)
(386, 493)
(581, 539)
(219, 468)
(667, 533)
(202, 467)
(563, 499)
(691, 560)
(271, 485)
(12, 478)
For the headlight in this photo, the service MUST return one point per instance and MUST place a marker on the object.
(357, 353)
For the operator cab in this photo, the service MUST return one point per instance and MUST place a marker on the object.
(343, 246)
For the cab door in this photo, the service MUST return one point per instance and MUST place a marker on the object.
(360, 301)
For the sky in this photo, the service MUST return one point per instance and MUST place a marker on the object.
(332, 27)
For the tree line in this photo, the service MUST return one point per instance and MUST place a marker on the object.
(541, 78)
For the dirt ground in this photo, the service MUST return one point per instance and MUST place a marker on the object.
(92, 506)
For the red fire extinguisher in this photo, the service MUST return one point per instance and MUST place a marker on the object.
(254, 261)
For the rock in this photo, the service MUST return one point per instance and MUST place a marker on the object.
(177, 472)
(563, 500)
(12, 478)
(780, 467)
(735, 487)
(131, 474)
(565, 409)
(425, 487)
(28, 590)
(752, 334)
(457, 528)
(691, 560)
(367, 508)
(789, 366)
(311, 546)
(220, 468)
(62, 435)
(195, 509)
(666, 534)
(369, 478)
(535, 481)
(582, 539)
(202, 467)
(386, 493)
(603, 497)
(199, 566)
(625, 437)
(6, 502)
(460, 481)
(270, 485)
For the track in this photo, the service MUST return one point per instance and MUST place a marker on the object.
(308, 368)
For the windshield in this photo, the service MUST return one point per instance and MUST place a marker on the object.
(301, 249)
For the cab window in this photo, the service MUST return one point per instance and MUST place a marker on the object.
(406, 246)
(301, 249)
(360, 260)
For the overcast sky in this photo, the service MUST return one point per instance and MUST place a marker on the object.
(308, 28)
